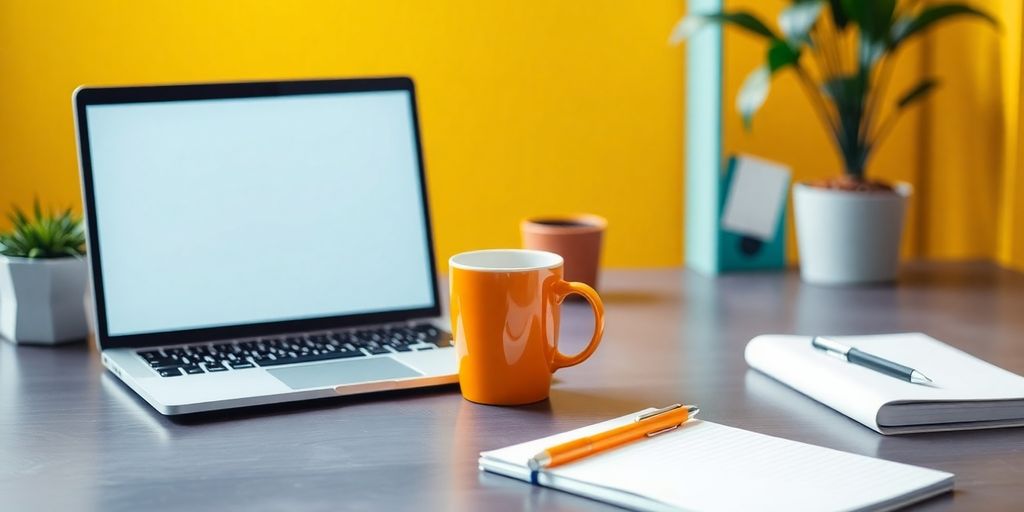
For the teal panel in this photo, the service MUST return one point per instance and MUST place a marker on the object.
(703, 142)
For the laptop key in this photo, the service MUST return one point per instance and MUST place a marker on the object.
(433, 335)
(175, 352)
(307, 358)
(215, 367)
(193, 370)
(169, 366)
(169, 372)
(150, 355)
(239, 365)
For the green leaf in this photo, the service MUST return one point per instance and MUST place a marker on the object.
(872, 16)
(874, 19)
(780, 55)
(742, 19)
(908, 26)
(754, 90)
(838, 14)
(848, 94)
(17, 217)
(753, 93)
(846, 91)
(45, 235)
(917, 92)
(796, 20)
(869, 51)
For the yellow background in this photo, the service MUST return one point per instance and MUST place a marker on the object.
(530, 107)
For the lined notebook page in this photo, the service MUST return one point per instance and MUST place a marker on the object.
(707, 466)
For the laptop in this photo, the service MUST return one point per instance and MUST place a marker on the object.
(263, 242)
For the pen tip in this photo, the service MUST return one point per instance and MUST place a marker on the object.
(919, 378)
(539, 461)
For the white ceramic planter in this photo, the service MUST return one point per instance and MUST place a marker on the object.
(41, 300)
(849, 237)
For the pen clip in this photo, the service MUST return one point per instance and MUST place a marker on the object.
(652, 414)
(662, 431)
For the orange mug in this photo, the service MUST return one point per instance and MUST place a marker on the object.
(505, 306)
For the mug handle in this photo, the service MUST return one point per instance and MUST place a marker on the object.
(565, 288)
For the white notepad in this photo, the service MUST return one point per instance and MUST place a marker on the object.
(968, 393)
(707, 466)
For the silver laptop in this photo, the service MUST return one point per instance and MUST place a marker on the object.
(254, 243)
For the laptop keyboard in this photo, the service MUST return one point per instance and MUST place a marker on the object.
(280, 350)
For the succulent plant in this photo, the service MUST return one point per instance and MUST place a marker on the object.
(43, 235)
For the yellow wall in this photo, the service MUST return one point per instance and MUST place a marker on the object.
(972, 163)
(527, 107)
(1011, 219)
(531, 107)
(961, 166)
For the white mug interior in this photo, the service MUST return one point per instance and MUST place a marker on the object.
(505, 260)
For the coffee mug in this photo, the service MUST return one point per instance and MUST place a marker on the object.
(576, 237)
(505, 308)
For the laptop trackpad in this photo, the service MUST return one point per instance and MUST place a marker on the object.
(337, 373)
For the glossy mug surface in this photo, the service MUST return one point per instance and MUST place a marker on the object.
(505, 307)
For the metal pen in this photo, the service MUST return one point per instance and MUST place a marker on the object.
(861, 358)
(645, 425)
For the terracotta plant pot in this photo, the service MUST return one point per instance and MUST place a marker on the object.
(577, 238)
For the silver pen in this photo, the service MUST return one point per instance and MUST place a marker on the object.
(861, 358)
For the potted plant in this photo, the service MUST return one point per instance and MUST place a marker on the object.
(848, 227)
(43, 278)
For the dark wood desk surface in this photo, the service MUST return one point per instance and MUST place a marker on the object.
(73, 438)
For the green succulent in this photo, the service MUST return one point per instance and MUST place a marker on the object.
(44, 235)
(851, 44)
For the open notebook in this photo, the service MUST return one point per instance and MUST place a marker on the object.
(968, 393)
(707, 466)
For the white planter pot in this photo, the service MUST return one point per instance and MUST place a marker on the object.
(41, 300)
(849, 237)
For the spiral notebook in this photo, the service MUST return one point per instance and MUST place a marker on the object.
(707, 466)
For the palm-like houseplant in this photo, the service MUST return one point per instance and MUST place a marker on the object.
(43, 278)
(842, 53)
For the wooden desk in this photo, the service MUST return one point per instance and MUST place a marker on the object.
(72, 437)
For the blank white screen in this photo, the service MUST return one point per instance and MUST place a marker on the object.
(227, 212)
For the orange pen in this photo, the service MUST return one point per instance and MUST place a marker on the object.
(646, 425)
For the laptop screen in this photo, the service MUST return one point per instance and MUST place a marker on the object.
(225, 212)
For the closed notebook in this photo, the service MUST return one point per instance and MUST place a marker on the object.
(707, 466)
(968, 393)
